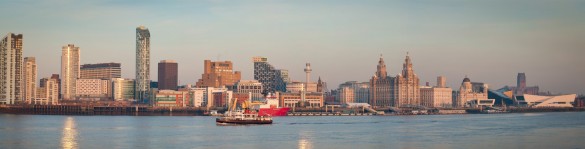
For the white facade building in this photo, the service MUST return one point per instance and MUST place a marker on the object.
(11, 69)
(550, 101)
(92, 88)
(69, 71)
(30, 78)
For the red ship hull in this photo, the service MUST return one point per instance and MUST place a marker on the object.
(273, 111)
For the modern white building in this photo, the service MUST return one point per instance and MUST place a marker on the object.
(550, 101)
(142, 64)
(30, 79)
(70, 57)
(11, 69)
(123, 89)
(92, 88)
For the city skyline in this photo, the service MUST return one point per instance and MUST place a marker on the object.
(487, 49)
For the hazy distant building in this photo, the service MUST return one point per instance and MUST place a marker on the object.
(11, 69)
(470, 91)
(437, 96)
(93, 89)
(250, 86)
(48, 93)
(346, 94)
(520, 89)
(142, 64)
(70, 58)
(272, 79)
(381, 87)
(218, 74)
(321, 86)
(168, 71)
(361, 91)
(407, 86)
(296, 86)
(30, 79)
(101, 71)
(123, 89)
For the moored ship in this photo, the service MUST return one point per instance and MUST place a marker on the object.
(272, 108)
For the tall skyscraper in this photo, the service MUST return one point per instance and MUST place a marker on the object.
(69, 71)
(168, 75)
(106, 71)
(272, 79)
(11, 68)
(217, 74)
(381, 87)
(407, 86)
(30, 79)
(142, 64)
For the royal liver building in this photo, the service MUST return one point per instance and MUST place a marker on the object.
(142, 64)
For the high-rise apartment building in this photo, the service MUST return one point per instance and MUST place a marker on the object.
(381, 87)
(250, 86)
(407, 86)
(30, 79)
(142, 64)
(123, 89)
(272, 79)
(168, 75)
(11, 69)
(70, 57)
(217, 74)
(101, 71)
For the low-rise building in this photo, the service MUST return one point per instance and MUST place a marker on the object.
(93, 89)
(48, 94)
(549, 101)
(250, 86)
(171, 98)
(123, 89)
(288, 99)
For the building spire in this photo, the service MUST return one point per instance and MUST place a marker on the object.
(381, 71)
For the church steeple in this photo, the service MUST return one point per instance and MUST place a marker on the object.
(381, 71)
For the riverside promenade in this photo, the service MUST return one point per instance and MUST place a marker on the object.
(144, 110)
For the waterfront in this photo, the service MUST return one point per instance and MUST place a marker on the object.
(518, 130)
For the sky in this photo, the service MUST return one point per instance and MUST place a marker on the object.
(488, 41)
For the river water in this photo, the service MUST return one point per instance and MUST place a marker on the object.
(490, 131)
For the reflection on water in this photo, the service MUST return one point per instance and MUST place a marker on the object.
(305, 140)
(69, 137)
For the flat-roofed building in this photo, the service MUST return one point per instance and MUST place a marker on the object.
(92, 89)
(287, 99)
(101, 71)
(123, 89)
(250, 86)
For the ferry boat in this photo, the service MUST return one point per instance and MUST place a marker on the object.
(244, 115)
(241, 117)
